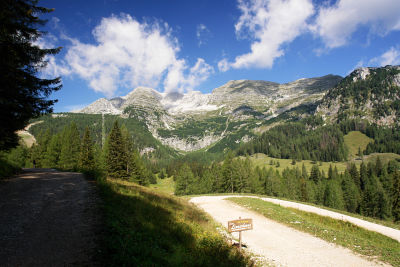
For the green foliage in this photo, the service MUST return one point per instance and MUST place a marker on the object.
(86, 160)
(23, 94)
(117, 157)
(70, 148)
(144, 228)
(184, 181)
(296, 141)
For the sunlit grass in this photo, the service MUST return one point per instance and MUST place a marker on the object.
(166, 185)
(356, 140)
(148, 228)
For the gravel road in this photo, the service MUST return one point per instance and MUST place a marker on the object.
(280, 244)
(48, 218)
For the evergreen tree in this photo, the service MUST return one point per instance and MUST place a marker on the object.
(53, 151)
(363, 176)
(315, 174)
(228, 174)
(351, 194)
(333, 196)
(86, 160)
(116, 158)
(184, 180)
(23, 95)
(396, 196)
(70, 148)
(137, 171)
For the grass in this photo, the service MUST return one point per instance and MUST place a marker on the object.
(263, 160)
(357, 239)
(355, 140)
(166, 185)
(148, 228)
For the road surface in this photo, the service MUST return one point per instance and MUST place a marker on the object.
(48, 218)
(280, 244)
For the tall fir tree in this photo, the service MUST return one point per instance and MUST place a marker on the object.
(184, 180)
(70, 148)
(116, 158)
(23, 94)
(396, 196)
(86, 159)
(53, 151)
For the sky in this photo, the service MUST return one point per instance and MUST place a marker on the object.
(110, 47)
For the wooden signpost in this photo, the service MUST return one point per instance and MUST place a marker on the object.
(239, 226)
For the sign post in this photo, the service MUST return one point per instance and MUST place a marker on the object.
(239, 226)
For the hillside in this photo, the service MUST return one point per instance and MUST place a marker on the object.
(228, 115)
(372, 94)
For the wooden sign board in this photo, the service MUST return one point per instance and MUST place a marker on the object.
(240, 225)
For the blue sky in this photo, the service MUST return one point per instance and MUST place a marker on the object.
(112, 46)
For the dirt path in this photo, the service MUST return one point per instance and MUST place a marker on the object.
(48, 218)
(279, 244)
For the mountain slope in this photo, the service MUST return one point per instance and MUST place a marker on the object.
(229, 114)
(372, 94)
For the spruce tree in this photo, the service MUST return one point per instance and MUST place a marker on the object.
(53, 151)
(86, 160)
(116, 158)
(396, 196)
(184, 180)
(70, 148)
(333, 196)
(23, 94)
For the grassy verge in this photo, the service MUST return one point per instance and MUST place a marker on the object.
(345, 234)
(148, 228)
(391, 224)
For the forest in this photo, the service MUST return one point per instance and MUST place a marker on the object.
(74, 150)
(370, 189)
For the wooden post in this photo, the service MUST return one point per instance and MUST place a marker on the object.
(240, 239)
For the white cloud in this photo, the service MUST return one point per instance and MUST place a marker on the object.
(127, 54)
(223, 65)
(336, 24)
(390, 57)
(270, 24)
(202, 34)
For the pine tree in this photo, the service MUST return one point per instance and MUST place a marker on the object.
(184, 180)
(23, 95)
(396, 196)
(70, 148)
(53, 151)
(315, 174)
(116, 158)
(86, 160)
(333, 196)
(137, 170)
(351, 194)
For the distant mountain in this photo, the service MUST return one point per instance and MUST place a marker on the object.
(372, 94)
(229, 114)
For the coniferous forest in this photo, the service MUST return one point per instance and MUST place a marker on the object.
(370, 189)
